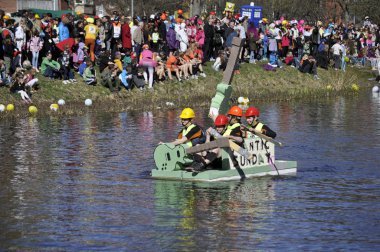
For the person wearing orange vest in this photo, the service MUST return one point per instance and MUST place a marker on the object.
(91, 31)
(116, 34)
(252, 116)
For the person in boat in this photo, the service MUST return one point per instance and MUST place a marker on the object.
(191, 133)
(252, 117)
(225, 126)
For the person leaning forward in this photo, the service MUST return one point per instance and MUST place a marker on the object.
(191, 133)
(252, 116)
(225, 126)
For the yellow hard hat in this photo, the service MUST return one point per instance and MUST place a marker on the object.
(284, 22)
(265, 20)
(36, 16)
(6, 17)
(187, 113)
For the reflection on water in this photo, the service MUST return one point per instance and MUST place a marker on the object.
(217, 210)
(82, 183)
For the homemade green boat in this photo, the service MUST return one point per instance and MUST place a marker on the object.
(256, 159)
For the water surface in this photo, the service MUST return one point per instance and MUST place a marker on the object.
(82, 183)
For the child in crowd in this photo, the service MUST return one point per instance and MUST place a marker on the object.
(220, 62)
(125, 77)
(127, 60)
(117, 61)
(172, 66)
(65, 61)
(35, 45)
(185, 66)
(289, 59)
(89, 74)
(3, 74)
(79, 54)
(138, 77)
(30, 81)
(18, 85)
(160, 68)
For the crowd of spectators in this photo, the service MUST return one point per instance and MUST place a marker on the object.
(118, 51)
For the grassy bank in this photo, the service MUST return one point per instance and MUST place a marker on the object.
(253, 82)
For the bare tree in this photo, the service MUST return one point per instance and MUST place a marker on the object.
(310, 10)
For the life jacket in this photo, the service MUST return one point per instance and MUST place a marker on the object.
(155, 37)
(230, 128)
(116, 30)
(197, 135)
(259, 126)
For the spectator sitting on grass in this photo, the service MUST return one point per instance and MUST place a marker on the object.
(138, 77)
(125, 77)
(160, 68)
(110, 78)
(18, 85)
(50, 68)
(309, 65)
(30, 81)
(289, 59)
(127, 59)
(220, 62)
(117, 61)
(89, 74)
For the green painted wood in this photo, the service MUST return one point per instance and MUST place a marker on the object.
(284, 167)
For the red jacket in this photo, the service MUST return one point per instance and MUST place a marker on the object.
(126, 36)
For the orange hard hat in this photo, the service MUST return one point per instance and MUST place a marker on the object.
(252, 111)
(221, 120)
(235, 111)
(163, 16)
(180, 12)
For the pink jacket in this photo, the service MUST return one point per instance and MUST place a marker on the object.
(200, 37)
(147, 59)
(35, 44)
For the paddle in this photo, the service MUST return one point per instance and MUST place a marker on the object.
(259, 134)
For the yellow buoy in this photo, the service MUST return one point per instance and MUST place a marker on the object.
(33, 109)
(355, 87)
(10, 107)
(54, 107)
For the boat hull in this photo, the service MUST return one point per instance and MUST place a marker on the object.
(280, 167)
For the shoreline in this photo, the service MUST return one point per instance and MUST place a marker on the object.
(253, 82)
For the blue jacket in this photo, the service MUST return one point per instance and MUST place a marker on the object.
(63, 32)
(123, 77)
